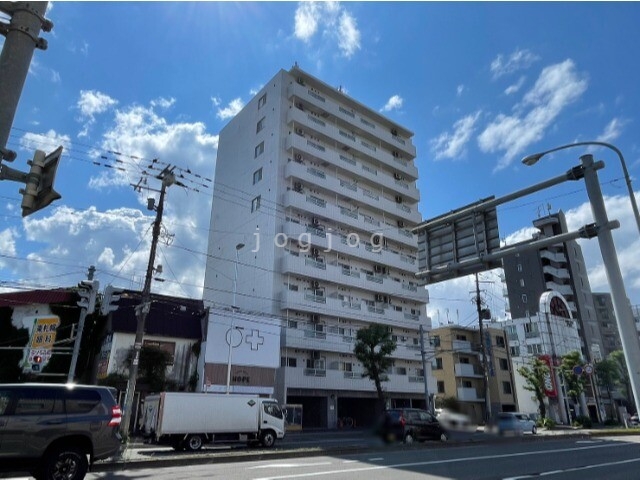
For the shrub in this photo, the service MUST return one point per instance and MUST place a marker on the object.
(548, 423)
(611, 422)
(582, 421)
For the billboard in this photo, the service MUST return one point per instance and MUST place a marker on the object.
(456, 244)
(43, 337)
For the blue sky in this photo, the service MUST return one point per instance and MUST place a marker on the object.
(480, 84)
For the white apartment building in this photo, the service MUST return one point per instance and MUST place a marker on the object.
(315, 195)
(548, 334)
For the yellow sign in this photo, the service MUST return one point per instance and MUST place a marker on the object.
(43, 335)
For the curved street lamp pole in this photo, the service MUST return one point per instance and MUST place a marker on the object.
(532, 159)
(234, 308)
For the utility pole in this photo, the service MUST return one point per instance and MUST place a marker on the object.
(142, 310)
(483, 349)
(424, 370)
(87, 291)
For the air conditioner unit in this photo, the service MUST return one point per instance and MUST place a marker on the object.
(397, 176)
(315, 284)
(297, 187)
(395, 153)
(300, 106)
(300, 131)
(398, 199)
(298, 157)
(378, 297)
(315, 221)
(401, 223)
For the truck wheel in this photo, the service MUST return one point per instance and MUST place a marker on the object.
(193, 443)
(268, 438)
(68, 463)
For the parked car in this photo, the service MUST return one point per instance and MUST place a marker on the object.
(409, 425)
(514, 423)
(57, 431)
(633, 420)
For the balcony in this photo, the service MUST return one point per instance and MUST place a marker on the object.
(560, 273)
(351, 118)
(349, 189)
(316, 206)
(333, 242)
(329, 305)
(348, 163)
(558, 257)
(463, 346)
(469, 395)
(565, 290)
(467, 370)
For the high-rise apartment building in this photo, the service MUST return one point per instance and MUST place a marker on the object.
(315, 195)
(607, 323)
(560, 268)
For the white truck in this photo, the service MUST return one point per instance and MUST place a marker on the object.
(186, 421)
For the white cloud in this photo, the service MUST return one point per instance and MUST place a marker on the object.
(394, 103)
(557, 87)
(460, 90)
(55, 76)
(90, 104)
(334, 22)
(163, 102)
(217, 101)
(612, 131)
(514, 88)
(518, 60)
(452, 145)
(230, 110)
(43, 141)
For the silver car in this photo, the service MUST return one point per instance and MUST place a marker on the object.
(514, 423)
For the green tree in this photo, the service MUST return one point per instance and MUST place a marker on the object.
(373, 348)
(153, 367)
(534, 375)
(575, 384)
(624, 382)
(608, 376)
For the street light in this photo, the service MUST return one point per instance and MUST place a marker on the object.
(532, 159)
(239, 247)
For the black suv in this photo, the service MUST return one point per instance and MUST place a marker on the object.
(56, 431)
(409, 424)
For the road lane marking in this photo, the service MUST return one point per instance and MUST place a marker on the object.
(376, 459)
(290, 465)
(437, 462)
(574, 469)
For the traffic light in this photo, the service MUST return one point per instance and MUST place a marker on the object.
(36, 363)
(87, 291)
(39, 192)
(109, 299)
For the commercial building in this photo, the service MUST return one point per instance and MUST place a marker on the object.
(560, 268)
(314, 199)
(459, 370)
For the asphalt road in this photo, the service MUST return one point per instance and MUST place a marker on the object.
(615, 458)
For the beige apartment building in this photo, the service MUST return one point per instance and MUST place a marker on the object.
(458, 370)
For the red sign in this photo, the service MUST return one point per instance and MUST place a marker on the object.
(549, 380)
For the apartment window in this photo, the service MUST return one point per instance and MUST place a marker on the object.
(262, 101)
(259, 150)
(435, 340)
(260, 124)
(292, 324)
(500, 341)
(506, 388)
(524, 298)
(535, 349)
(467, 384)
(522, 282)
(288, 362)
(440, 387)
(504, 364)
(514, 351)
(462, 338)
(438, 365)
(255, 204)
(519, 267)
(257, 176)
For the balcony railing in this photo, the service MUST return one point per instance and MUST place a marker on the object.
(315, 372)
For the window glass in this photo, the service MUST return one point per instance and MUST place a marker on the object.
(38, 401)
(257, 176)
(82, 401)
(259, 150)
(5, 397)
(255, 204)
(272, 409)
(262, 101)
(260, 125)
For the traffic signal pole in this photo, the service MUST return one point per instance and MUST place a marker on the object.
(88, 291)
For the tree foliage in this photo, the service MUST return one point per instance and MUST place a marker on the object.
(625, 381)
(534, 375)
(575, 384)
(373, 348)
(153, 367)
